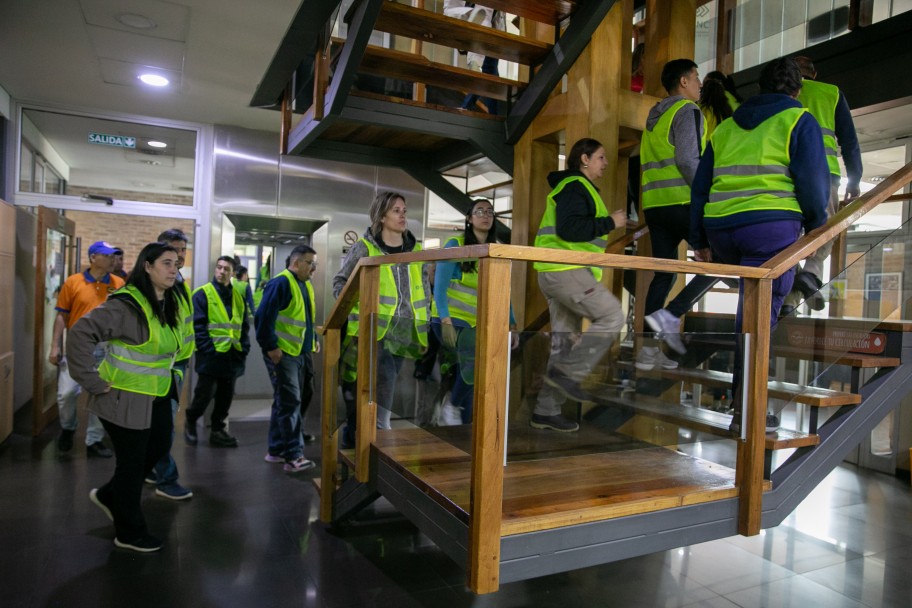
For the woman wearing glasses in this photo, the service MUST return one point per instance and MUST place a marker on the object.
(454, 310)
(404, 305)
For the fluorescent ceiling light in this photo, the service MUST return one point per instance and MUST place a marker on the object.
(154, 80)
(156, 144)
(139, 22)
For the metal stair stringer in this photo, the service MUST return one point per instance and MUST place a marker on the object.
(807, 467)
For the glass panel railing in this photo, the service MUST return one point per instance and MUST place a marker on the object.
(820, 359)
(637, 395)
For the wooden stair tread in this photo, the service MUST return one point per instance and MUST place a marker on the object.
(847, 322)
(810, 395)
(708, 421)
(816, 353)
(554, 492)
(424, 104)
(543, 11)
(427, 26)
(412, 67)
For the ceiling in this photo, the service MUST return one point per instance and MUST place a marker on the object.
(76, 54)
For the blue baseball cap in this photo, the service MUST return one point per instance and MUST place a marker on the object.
(102, 247)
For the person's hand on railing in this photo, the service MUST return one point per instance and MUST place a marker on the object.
(620, 218)
(703, 255)
(853, 191)
(448, 333)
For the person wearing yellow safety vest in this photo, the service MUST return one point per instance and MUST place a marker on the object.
(762, 178)
(165, 474)
(402, 324)
(222, 343)
(454, 309)
(669, 154)
(575, 219)
(716, 103)
(829, 106)
(131, 390)
(285, 332)
(241, 282)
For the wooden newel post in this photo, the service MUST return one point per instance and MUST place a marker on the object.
(491, 361)
(330, 350)
(368, 304)
(757, 300)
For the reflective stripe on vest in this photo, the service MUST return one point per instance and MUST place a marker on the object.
(461, 293)
(821, 100)
(389, 298)
(291, 324)
(185, 313)
(547, 231)
(142, 368)
(224, 332)
(751, 168)
(662, 182)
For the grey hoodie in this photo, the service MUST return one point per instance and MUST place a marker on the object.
(686, 133)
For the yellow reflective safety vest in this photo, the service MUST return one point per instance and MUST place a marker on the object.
(709, 118)
(224, 332)
(462, 293)
(291, 324)
(389, 299)
(547, 229)
(663, 184)
(185, 316)
(142, 368)
(241, 288)
(751, 168)
(821, 99)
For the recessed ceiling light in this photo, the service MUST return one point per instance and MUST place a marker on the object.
(154, 80)
(156, 144)
(139, 22)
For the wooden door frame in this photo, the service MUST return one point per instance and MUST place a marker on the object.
(43, 415)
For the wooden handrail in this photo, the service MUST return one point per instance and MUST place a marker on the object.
(839, 222)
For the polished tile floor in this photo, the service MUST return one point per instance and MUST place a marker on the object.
(249, 537)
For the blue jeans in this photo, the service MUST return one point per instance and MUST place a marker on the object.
(165, 470)
(67, 393)
(388, 366)
(293, 388)
(463, 393)
(488, 66)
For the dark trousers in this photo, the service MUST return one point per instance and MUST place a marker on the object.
(668, 227)
(752, 246)
(293, 388)
(136, 451)
(488, 66)
(207, 387)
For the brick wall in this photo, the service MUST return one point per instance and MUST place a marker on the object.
(129, 232)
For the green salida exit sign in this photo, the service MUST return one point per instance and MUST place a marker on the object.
(119, 141)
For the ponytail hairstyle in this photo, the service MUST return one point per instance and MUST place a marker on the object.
(713, 98)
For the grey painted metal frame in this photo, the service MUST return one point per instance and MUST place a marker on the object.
(566, 51)
(351, 497)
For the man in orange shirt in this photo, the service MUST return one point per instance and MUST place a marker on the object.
(81, 293)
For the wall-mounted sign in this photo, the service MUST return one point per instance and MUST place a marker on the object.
(118, 141)
(350, 237)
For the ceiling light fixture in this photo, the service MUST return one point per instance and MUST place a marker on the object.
(154, 143)
(154, 80)
(138, 22)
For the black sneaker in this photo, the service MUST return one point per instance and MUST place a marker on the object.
(98, 450)
(568, 387)
(787, 310)
(772, 423)
(553, 423)
(190, 432)
(221, 439)
(809, 286)
(308, 439)
(65, 441)
(143, 544)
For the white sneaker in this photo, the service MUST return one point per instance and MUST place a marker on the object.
(451, 415)
(652, 356)
(668, 328)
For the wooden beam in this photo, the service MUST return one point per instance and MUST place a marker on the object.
(285, 127)
(486, 498)
(670, 34)
(331, 345)
(367, 364)
(757, 302)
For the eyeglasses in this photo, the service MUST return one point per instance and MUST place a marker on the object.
(483, 213)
